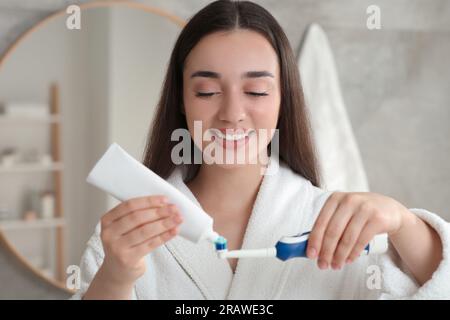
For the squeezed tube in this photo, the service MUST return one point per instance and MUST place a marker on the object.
(123, 177)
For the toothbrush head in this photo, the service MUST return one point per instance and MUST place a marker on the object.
(221, 244)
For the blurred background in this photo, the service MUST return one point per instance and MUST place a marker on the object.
(65, 95)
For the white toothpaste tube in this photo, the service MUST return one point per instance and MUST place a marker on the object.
(123, 177)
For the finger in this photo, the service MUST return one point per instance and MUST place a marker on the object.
(149, 230)
(320, 225)
(333, 233)
(133, 205)
(148, 246)
(138, 218)
(367, 234)
(348, 239)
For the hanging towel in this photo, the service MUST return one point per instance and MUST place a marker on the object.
(340, 162)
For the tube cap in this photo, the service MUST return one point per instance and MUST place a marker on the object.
(379, 244)
(210, 235)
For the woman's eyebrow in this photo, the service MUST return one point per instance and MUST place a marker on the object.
(206, 74)
(257, 74)
(248, 74)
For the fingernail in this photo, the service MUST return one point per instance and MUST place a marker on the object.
(348, 261)
(323, 265)
(336, 266)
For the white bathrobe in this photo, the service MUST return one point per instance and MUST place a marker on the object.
(286, 204)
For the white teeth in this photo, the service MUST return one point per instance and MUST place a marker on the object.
(231, 137)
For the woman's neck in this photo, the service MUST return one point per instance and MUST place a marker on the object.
(227, 191)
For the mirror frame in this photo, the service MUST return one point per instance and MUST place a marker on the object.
(4, 242)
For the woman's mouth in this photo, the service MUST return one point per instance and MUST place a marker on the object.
(232, 138)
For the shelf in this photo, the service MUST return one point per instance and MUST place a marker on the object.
(7, 225)
(31, 167)
(26, 123)
(4, 119)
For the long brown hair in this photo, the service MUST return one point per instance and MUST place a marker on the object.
(295, 142)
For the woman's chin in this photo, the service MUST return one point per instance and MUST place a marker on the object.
(237, 161)
(233, 166)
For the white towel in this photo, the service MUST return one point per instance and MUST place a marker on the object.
(339, 157)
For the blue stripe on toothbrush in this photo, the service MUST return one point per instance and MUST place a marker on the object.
(295, 247)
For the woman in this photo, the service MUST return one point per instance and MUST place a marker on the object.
(233, 70)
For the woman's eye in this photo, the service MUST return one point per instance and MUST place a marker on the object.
(210, 94)
(257, 94)
(205, 94)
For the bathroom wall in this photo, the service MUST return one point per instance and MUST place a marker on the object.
(395, 81)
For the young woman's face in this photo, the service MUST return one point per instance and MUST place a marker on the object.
(231, 81)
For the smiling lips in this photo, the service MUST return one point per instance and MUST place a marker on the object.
(232, 138)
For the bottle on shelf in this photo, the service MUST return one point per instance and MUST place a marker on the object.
(30, 215)
(33, 205)
(47, 205)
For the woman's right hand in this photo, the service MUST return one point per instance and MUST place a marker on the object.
(130, 231)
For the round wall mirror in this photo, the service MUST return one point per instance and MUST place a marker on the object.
(65, 95)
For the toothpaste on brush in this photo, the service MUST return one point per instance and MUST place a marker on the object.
(123, 177)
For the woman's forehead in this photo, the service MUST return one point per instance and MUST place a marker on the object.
(233, 52)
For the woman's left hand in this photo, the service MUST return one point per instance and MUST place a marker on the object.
(348, 222)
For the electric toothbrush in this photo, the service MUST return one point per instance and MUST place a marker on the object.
(289, 247)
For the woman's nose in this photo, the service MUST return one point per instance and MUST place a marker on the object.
(232, 109)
